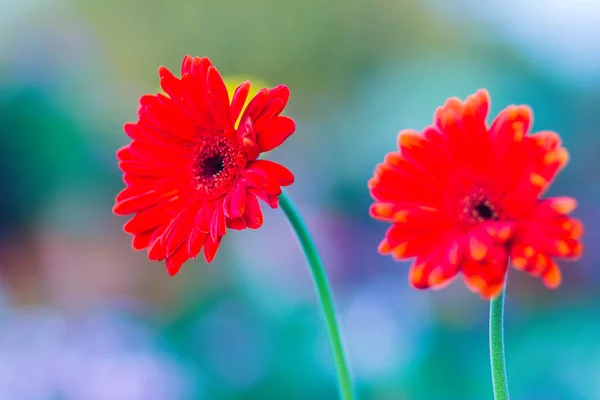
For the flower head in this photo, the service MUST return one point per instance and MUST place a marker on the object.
(463, 196)
(191, 172)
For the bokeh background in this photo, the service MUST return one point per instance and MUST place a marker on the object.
(83, 317)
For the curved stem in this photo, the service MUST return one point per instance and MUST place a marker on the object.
(497, 348)
(324, 293)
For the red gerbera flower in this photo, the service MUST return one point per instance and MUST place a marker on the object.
(190, 172)
(464, 197)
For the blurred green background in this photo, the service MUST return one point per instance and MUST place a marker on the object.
(83, 317)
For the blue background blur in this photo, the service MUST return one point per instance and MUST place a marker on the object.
(83, 317)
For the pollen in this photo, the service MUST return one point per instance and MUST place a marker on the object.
(477, 208)
(215, 164)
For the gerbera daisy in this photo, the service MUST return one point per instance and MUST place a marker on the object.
(463, 196)
(191, 171)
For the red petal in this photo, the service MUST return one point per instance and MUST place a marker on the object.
(434, 271)
(424, 154)
(218, 91)
(239, 99)
(278, 98)
(156, 251)
(136, 191)
(404, 243)
(217, 225)
(504, 130)
(186, 64)
(256, 105)
(142, 240)
(277, 131)
(552, 277)
(176, 260)
(195, 97)
(137, 180)
(272, 188)
(220, 115)
(412, 216)
(145, 169)
(477, 106)
(447, 120)
(280, 92)
(500, 232)
(478, 246)
(203, 218)
(272, 109)
(554, 206)
(507, 133)
(158, 154)
(195, 65)
(143, 133)
(255, 178)
(151, 217)
(396, 180)
(253, 214)
(170, 84)
(247, 137)
(526, 258)
(486, 277)
(210, 248)
(134, 199)
(272, 199)
(195, 242)
(237, 223)
(237, 204)
(281, 174)
(124, 154)
(170, 119)
(178, 231)
(147, 99)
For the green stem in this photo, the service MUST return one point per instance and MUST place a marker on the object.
(324, 293)
(497, 348)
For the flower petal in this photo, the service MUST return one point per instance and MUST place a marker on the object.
(281, 174)
(210, 248)
(253, 214)
(195, 242)
(176, 260)
(239, 99)
(276, 132)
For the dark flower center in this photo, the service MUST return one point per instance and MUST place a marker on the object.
(215, 164)
(212, 165)
(484, 211)
(478, 208)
